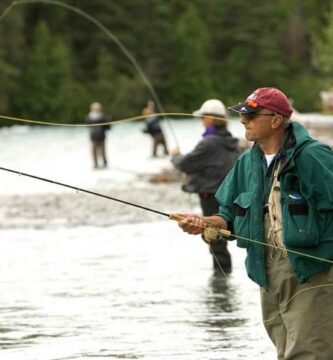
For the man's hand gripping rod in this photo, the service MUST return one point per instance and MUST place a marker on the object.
(210, 233)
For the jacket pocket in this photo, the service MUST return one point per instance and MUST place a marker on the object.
(300, 221)
(241, 223)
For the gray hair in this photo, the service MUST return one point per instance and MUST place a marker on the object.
(286, 122)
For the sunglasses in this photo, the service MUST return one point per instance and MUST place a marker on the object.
(251, 116)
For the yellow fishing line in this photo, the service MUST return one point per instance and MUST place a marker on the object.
(282, 249)
(108, 33)
(283, 308)
(223, 233)
(98, 24)
(133, 118)
(217, 261)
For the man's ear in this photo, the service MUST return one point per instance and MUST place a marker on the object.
(277, 121)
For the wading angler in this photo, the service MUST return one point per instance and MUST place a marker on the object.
(278, 202)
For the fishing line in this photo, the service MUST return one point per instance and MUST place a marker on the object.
(108, 33)
(217, 261)
(227, 233)
(133, 118)
(284, 307)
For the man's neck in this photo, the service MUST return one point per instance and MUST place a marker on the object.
(272, 145)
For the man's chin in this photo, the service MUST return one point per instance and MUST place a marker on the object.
(248, 136)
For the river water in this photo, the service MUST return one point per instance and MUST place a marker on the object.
(88, 278)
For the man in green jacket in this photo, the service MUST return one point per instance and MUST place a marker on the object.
(277, 202)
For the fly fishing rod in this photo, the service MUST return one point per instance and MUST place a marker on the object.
(212, 231)
(175, 217)
(84, 191)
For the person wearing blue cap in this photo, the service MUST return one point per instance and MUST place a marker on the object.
(277, 202)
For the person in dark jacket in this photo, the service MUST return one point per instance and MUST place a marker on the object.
(153, 128)
(98, 134)
(207, 166)
(277, 202)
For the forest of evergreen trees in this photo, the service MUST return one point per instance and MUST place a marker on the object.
(56, 57)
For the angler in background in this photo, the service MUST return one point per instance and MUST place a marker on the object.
(277, 202)
(207, 165)
(153, 128)
(98, 134)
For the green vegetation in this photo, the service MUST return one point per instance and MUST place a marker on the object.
(54, 62)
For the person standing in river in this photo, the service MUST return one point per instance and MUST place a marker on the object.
(153, 128)
(98, 134)
(277, 201)
(207, 165)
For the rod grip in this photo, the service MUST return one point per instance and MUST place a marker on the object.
(176, 217)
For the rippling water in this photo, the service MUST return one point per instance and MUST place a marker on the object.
(134, 290)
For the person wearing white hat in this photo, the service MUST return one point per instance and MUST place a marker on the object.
(207, 165)
(212, 107)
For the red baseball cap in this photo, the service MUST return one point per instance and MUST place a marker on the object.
(267, 97)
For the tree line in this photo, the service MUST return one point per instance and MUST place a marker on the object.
(55, 60)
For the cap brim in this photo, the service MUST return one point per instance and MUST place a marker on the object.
(197, 113)
(243, 109)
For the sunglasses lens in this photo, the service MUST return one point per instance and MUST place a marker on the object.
(250, 116)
